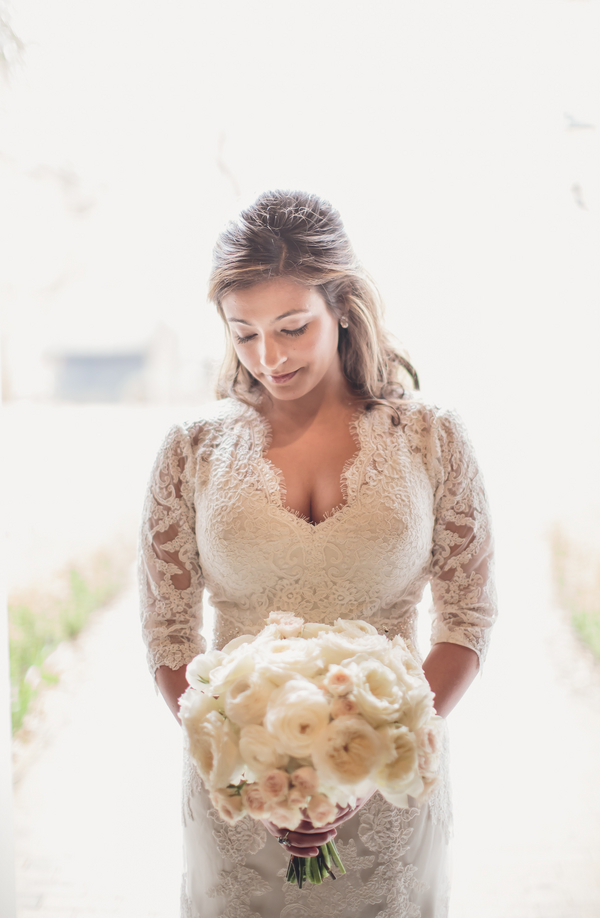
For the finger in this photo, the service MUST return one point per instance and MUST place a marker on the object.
(300, 852)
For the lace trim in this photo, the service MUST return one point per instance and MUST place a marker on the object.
(275, 479)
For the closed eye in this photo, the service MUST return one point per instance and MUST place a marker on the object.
(290, 332)
(294, 332)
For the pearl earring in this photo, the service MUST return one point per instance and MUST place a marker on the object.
(344, 322)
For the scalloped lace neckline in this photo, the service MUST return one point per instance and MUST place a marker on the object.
(276, 482)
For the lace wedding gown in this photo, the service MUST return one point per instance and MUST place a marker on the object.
(414, 512)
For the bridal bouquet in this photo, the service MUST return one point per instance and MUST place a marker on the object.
(304, 718)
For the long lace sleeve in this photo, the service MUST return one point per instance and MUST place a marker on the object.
(171, 583)
(464, 599)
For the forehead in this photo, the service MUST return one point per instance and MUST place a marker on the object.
(271, 300)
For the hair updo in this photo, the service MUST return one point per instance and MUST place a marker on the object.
(300, 236)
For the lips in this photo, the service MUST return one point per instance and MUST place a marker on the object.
(282, 379)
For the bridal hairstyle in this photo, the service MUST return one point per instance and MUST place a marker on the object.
(300, 236)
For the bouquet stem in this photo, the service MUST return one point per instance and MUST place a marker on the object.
(303, 870)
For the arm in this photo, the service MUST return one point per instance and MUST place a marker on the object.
(172, 684)
(464, 601)
(171, 581)
(450, 669)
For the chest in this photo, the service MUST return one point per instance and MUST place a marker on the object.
(311, 470)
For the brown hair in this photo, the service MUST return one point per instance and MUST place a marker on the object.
(301, 236)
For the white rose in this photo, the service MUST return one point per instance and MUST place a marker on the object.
(214, 749)
(406, 667)
(314, 629)
(418, 708)
(200, 668)
(228, 804)
(282, 659)
(399, 775)
(259, 750)
(338, 647)
(288, 624)
(239, 641)
(194, 705)
(238, 663)
(296, 714)
(377, 692)
(348, 751)
(356, 626)
(345, 795)
(247, 699)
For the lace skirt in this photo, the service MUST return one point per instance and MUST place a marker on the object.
(396, 863)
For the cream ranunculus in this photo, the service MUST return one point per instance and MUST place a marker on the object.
(306, 780)
(321, 811)
(348, 751)
(228, 804)
(399, 775)
(342, 707)
(376, 690)
(338, 680)
(419, 708)
(259, 750)
(274, 785)
(297, 712)
(247, 699)
(214, 749)
(429, 745)
(254, 802)
(200, 668)
(288, 624)
(285, 816)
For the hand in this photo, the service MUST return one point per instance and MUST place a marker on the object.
(306, 839)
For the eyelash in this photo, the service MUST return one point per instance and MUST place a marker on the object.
(292, 333)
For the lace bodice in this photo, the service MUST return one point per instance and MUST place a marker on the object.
(415, 512)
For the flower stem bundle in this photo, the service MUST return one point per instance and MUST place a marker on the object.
(302, 870)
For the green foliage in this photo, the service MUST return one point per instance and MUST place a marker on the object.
(576, 574)
(37, 626)
(587, 624)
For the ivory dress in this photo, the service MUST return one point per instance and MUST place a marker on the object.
(414, 512)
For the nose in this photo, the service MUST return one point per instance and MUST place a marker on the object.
(272, 356)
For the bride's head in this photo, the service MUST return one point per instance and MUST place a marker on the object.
(299, 236)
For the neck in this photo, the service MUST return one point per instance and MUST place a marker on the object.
(320, 404)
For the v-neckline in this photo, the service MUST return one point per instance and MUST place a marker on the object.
(278, 488)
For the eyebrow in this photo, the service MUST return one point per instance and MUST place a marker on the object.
(292, 312)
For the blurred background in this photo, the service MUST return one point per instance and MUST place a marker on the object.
(459, 142)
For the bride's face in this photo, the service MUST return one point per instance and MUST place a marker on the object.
(285, 336)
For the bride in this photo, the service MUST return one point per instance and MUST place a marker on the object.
(325, 486)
